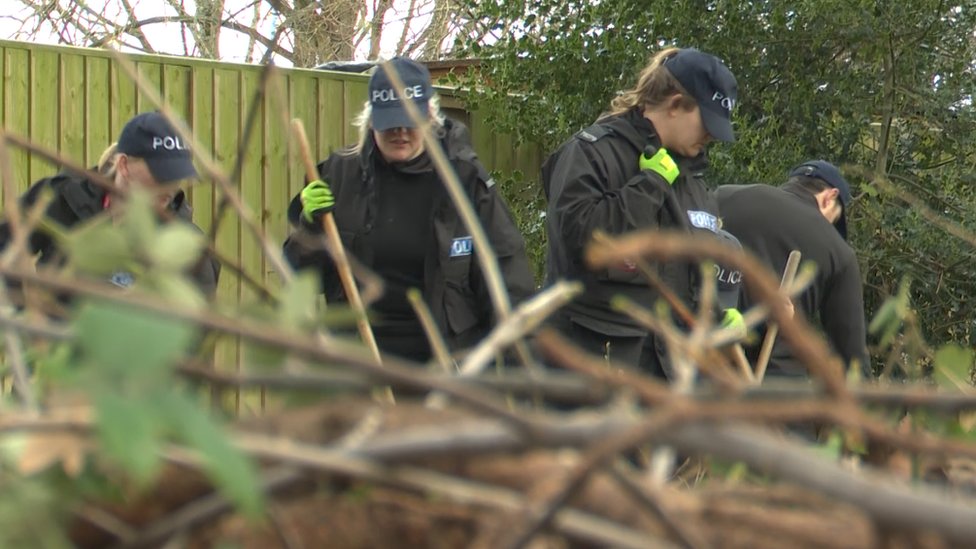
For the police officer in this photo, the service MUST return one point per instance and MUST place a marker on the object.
(728, 280)
(394, 215)
(807, 214)
(616, 176)
(149, 154)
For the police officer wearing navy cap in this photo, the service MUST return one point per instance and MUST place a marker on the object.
(808, 213)
(394, 215)
(616, 176)
(728, 280)
(149, 154)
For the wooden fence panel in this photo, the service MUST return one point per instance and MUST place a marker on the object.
(16, 110)
(76, 101)
(98, 110)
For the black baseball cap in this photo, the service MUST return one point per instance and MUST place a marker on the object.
(150, 136)
(387, 110)
(829, 174)
(711, 84)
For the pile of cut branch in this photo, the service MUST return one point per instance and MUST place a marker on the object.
(563, 450)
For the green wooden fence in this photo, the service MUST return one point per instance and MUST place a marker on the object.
(76, 100)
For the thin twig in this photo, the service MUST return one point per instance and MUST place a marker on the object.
(286, 533)
(760, 312)
(707, 358)
(552, 496)
(812, 351)
(101, 182)
(210, 168)
(484, 253)
(525, 319)
(685, 370)
(437, 345)
(254, 107)
(574, 523)
(393, 369)
(205, 509)
(12, 340)
(651, 499)
(563, 352)
(106, 522)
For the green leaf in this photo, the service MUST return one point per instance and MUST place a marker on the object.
(175, 288)
(339, 317)
(140, 220)
(869, 189)
(737, 472)
(885, 315)
(99, 250)
(257, 354)
(953, 365)
(232, 471)
(177, 246)
(129, 433)
(126, 341)
(297, 306)
(263, 356)
(30, 514)
(831, 449)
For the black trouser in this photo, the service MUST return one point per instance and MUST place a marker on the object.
(652, 357)
(622, 350)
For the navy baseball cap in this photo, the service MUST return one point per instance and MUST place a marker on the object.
(728, 280)
(711, 84)
(829, 174)
(150, 136)
(387, 109)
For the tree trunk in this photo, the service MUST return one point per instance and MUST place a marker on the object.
(324, 34)
(208, 17)
(376, 28)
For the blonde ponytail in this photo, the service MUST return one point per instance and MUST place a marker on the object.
(655, 85)
(106, 164)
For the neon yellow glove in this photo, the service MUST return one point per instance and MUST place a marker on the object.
(660, 163)
(316, 200)
(733, 320)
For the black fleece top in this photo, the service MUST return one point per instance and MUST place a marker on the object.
(400, 239)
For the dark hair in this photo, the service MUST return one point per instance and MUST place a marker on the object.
(812, 185)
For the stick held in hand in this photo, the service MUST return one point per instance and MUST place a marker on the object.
(767, 346)
(339, 255)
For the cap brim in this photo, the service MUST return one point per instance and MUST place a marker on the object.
(718, 125)
(841, 224)
(171, 170)
(395, 117)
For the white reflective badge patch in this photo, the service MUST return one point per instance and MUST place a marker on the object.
(462, 246)
(703, 220)
(122, 279)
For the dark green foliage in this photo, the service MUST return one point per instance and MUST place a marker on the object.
(875, 84)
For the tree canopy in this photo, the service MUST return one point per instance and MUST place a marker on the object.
(878, 87)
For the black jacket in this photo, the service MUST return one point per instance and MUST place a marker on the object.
(77, 199)
(593, 181)
(771, 222)
(454, 287)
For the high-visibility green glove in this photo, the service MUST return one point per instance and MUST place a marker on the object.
(660, 163)
(733, 320)
(316, 200)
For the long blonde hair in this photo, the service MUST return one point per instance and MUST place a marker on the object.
(362, 123)
(655, 85)
(107, 162)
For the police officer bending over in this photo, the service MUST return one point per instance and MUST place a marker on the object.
(149, 154)
(616, 176)
(394, 215)
(807, 214)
